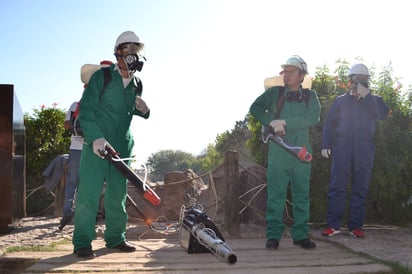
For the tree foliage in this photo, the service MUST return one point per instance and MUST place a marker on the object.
(391, 184)
(207, 161)
(166, 161)
(235, 140)
(45, 139)
(257, 148)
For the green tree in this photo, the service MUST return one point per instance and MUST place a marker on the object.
(235, 140)
(208, 160)
(166, 161)
(391, 184)
(257, 148)
(44, 141)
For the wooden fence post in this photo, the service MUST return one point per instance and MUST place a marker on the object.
(231, 217)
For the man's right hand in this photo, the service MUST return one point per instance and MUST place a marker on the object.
(99, 145)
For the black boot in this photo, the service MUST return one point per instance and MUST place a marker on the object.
(272, 244)
(125, 247)
(85, 253)
(305, 243)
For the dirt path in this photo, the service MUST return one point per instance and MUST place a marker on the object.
(385, 243)
(388, 244)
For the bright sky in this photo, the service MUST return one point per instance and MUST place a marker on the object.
(207, 59)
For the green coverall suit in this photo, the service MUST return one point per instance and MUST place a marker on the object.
(107, 116)
(283, 167)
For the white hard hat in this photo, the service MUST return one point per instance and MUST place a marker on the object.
(359, 69)
(128, 37)
(296, 61)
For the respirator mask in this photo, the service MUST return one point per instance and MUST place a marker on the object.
(360, 79)
(130, 52)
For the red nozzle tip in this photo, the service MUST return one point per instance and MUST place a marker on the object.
(304, 155)
(152, 197)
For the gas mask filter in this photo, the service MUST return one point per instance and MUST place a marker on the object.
(133, 62)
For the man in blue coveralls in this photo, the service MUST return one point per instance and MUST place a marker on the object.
(348, 137)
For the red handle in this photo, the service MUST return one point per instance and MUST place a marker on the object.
(304, 155)
(152, 197)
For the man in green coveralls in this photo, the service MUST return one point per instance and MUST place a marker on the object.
(291, 120)
(105, 119)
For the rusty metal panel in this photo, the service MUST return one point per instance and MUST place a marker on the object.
(12, 160)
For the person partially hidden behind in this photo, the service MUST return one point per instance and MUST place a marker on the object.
(348, 138)
(106, 120)
(72, 179)
(76, 146)
(292, 119)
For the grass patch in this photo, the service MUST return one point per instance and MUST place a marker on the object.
(37, 248)
(396, 267)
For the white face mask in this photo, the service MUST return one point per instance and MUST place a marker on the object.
(360, 79)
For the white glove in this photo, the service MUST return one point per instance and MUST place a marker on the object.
(278, 126)
(99, 145)
(325, 153)
(141, 105)
(280, 129)
(275, 123)
(363, 91)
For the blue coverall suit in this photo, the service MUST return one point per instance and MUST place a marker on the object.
(348, 132)
(284, 168)
(109, 117)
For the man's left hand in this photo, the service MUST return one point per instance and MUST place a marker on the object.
(141, 105)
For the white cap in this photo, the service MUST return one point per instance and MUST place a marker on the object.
(359, 69)
(296, 61)
(128, 37)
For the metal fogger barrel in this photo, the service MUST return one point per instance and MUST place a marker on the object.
(200, 235)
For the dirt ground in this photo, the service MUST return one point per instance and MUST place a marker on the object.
(388, 243)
